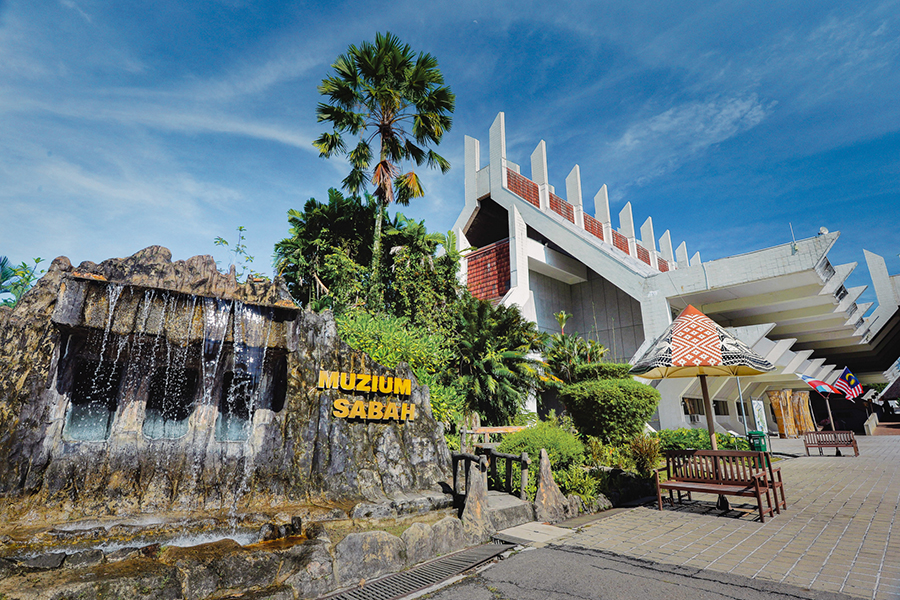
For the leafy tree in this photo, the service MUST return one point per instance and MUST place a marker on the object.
(494, 346)
(423, 285)
(327, 243)
(397, 104)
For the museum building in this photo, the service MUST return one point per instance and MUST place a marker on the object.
(623, 286)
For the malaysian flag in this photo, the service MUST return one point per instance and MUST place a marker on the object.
(848, 384)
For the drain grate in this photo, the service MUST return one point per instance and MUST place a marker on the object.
(423, 576)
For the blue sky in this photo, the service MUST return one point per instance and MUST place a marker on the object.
(127, 124)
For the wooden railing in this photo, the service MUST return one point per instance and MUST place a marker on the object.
(489, 460)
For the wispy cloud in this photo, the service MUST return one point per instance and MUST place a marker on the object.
(662, 142)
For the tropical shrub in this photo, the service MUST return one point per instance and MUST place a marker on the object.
(493, 347)
(563, 446)
(645, 453)
(615, 410)
(392, 340)
(606, 455)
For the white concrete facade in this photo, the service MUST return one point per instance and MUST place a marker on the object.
(787, 302)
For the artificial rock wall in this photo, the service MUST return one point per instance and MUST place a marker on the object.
(143, 384)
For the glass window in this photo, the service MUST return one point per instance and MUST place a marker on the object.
(170, 400)
(94, 399)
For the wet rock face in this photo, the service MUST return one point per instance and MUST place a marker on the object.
(143, 384)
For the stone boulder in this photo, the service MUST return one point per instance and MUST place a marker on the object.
(366, 555)
(475, 518)
(419, 541)
(550, 506)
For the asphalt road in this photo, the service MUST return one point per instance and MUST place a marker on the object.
(567, 572)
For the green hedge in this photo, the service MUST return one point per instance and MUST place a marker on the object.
(697, 439)
(614, 410)
(602, 370)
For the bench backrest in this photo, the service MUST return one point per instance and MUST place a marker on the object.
(830, 437)
(727, 466)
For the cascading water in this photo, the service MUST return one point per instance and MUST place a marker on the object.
(93, 399)
(242, 383)
(216, 313)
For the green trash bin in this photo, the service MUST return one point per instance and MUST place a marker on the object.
(758, 441)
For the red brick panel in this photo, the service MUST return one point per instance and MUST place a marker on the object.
(620, 242)
(662, 263)
(562, 208)
(642, 253)
(523, 187)
(593, 226)
(487, 274)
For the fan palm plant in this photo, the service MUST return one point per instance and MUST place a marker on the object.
(397, 104)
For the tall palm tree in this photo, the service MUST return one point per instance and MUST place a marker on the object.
(398, 105)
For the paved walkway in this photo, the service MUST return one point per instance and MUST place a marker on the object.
(840, 533)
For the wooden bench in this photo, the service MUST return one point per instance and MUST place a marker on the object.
(830, 439)
(722, 472)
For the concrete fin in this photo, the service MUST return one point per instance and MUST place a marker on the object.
(601, 205)
(665, 246)
(695, 259)
(539, 164)
(648, 240)
(681, 255)
(573, 187)
(626, 221)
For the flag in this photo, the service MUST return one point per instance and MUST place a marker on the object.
(818, 385)
(848, 384)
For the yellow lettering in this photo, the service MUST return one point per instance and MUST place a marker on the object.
(408, 413)
(375, 410)
(386, 385)
(362, 383)
(392, 411)
(359, 410)
(402, 387)
(348, 381)
(328, 379)
(341, 408)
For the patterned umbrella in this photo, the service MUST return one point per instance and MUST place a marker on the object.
(695, 346)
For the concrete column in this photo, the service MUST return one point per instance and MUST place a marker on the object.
(473, 162)
(498, 152)
(573, 195)
(695, 259)
(461, 244)
(539, 173)
(518, 250)
(881, 280)
(601, 213)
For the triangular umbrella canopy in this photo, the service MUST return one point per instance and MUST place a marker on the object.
(694, 345)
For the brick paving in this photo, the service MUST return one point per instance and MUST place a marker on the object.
(840, 532)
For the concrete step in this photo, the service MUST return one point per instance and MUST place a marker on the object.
(532, 533)
(507, 511)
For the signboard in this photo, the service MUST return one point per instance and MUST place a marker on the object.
(759, 415)
(372, 410)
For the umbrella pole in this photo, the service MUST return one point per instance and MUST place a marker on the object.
(710, 419)
(722, 503)
(828, 404)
